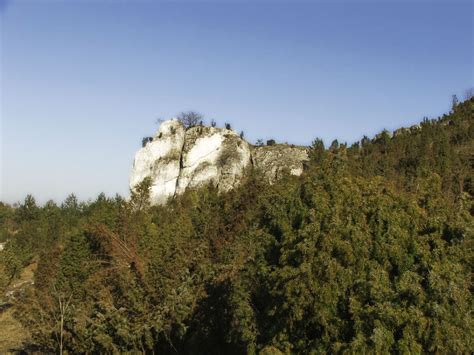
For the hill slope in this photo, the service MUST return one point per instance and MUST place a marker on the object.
(369, 250)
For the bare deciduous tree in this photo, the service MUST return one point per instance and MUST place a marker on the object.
(63, 307)
(190, 118)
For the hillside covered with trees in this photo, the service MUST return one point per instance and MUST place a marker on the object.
(370, 250)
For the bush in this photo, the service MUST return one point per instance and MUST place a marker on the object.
(146, 140)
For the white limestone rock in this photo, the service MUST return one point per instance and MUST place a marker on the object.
(179, 158)
(212, 155)
(160, 160)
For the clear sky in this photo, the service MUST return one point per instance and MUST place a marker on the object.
(83, 81)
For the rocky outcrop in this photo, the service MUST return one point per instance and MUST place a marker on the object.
(160, 160)
(275, 160)
(177, 158)
(212, 155)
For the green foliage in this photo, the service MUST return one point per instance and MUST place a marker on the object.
(369, 251)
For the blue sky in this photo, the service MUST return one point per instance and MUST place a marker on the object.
(83, 81)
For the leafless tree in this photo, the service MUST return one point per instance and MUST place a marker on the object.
(190, 118)
(63, 307)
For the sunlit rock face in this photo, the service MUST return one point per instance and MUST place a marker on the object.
(160, 160)
(179, 158)
(212, 155)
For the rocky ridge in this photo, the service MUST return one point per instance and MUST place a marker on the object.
(177, 158)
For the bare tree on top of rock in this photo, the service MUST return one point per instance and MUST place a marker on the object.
(190, 118)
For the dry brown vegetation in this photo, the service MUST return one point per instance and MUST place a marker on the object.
(13, 336)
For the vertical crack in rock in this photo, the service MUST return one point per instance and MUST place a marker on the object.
(180, 166)
(252, 163)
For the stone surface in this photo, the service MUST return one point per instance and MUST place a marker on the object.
(179, 158)
(160, 160)
(275, 160)
(212, 155)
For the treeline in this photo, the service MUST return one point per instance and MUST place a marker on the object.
(370, 250)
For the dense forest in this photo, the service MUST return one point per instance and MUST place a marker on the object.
(370, 250)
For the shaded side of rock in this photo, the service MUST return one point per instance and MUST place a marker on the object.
(273, 161)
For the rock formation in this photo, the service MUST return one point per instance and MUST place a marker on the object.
(275, 160)
(178, 158)
(160, 160)
(212, 155)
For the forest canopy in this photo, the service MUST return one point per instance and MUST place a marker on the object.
(368, 251)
